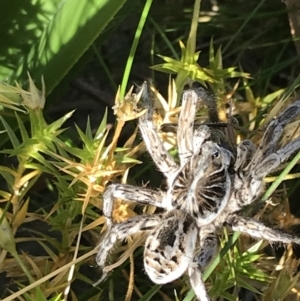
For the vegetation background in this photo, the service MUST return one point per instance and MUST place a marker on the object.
(54, 162)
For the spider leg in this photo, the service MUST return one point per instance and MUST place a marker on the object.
(188, 140)
(128, 192)
(248, 188)
(245, 151)
(155, 147)
(270, 163)
(197, 282)
(258, 230)
(209, 244)
(208, 248)
(201, 134)
(274, 132)
(121, 231)
(185, 133)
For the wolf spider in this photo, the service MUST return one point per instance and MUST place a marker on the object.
(206, 191)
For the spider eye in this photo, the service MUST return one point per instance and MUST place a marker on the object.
(215, 155)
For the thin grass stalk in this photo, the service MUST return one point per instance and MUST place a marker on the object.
(105, 68)
(134, 45)
(291, 176)
(280, 178)
(154, 289)
(191, 43)
(249, 17)
(72, 268)
(131, 279)
(165, 39)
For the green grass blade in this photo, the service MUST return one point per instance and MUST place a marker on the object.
(281, 177)
(155, 288)
(250, 17)
(136, 39)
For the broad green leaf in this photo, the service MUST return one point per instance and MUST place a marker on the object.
(69, 28)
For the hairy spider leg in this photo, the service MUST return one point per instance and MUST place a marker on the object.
(121, 231)
(245, 151)
(258, 230)
(185, 132)
(274, 132)
(155, 147)
(271, 162)
(197, 282)
(131, 193)
(208, 249)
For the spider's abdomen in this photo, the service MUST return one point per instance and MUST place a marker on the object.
(170, 249)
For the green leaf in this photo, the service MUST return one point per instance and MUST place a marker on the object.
(218, 59)
(268, 99)
(69, 29)
(228, 296)
(13, 138)
(245, 284)
(155, 288)
(102, 126)
(7, 240)
(57, 298)
(125, 160)
(39, 295)
(88, 129)
(22, 128)
(87, 142)
(58, 123)
(7, 175)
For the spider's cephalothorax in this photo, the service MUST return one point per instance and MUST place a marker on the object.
(203, 194)
(202, 186)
